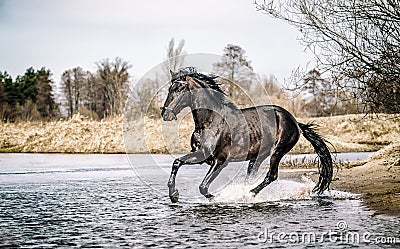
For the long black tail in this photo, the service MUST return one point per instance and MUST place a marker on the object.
(322, 150)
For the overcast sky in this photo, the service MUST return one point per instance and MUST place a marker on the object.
(67, 33)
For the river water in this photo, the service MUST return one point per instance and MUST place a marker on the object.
(52, 200)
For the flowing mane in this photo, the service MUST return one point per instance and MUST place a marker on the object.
(206, 81)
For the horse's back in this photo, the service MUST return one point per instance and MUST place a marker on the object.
(269, 114)
(255, 133)
(264, 125)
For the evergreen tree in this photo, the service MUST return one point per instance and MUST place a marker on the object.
(45, 103)
(5, 82)
(28, 97)
(27, 86)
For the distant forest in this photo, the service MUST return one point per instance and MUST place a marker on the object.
(103, 93)
(97, 95)
(357, 69)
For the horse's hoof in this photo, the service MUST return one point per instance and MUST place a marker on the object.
(175, 196)
(210, 197)
(253, 193)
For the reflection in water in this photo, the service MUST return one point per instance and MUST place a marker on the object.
(106, 205)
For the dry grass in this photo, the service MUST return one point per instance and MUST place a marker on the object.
(350, 133)
(77, 135)
(81, 135)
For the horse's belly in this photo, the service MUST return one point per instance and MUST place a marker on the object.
(248, 147)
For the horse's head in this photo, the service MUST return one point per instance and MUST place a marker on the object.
(187, 86)
(178, 96)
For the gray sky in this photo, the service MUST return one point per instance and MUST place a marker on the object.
(67, 33)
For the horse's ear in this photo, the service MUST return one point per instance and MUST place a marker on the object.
(172, 73)
(192, 83)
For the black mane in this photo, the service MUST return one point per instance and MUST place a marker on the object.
(192, 72)
(209, 80)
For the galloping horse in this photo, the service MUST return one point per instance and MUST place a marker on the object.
(224, 133)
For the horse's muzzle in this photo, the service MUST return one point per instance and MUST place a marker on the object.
(168, 114)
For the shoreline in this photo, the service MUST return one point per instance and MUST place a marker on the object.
(377, 182)
(376, 179)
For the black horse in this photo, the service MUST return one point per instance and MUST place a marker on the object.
(224, 133)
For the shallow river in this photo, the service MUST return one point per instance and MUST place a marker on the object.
(51, 200)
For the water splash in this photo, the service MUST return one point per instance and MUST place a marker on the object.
(280, 190)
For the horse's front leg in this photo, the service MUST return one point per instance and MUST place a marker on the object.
(195, 157)
(212, 173)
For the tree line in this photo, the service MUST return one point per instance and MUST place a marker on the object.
(245, 88)
(28, 97)
(102, 93)
(355, 44)
(97, 94)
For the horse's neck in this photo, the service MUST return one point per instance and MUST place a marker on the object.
(202, 118)
(205, 108)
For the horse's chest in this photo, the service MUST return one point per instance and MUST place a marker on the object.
(204, 139)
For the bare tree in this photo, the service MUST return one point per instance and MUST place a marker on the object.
(99, 94)
(72, 83)
(175, 56)
(174, 59)
(92, 98)
(318, 95)
(236, 74)
(114, 80)
(355, 42)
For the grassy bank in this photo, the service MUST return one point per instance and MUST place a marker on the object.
(76, 135)
(81, 135)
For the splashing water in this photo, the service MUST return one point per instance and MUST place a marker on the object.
(280, 190)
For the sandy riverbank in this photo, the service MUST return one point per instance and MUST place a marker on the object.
(377, 179)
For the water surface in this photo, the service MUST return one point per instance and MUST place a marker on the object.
(50, 200)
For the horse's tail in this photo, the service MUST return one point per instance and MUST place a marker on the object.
(322, 150)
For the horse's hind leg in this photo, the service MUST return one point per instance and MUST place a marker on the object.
(253, 167)
(272, 173)
(281, 148)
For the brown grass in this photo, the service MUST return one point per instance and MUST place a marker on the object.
(347, 133)
(76, 135)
